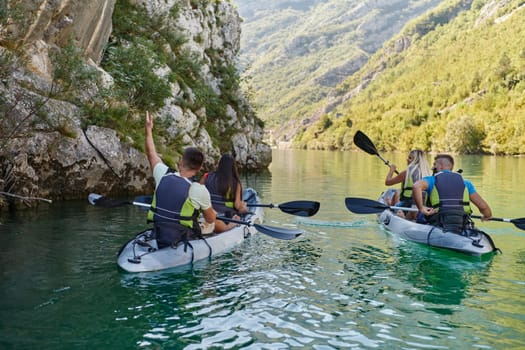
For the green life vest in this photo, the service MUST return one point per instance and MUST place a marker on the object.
(406, 189)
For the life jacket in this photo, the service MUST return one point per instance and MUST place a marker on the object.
(450, 193)
(406, 189)
(173, 215)
(450, 198)
(219, 202)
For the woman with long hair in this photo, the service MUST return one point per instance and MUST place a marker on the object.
(417, 169)
(225, 189)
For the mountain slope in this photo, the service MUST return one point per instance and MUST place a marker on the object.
(295, 52)
(457, 85)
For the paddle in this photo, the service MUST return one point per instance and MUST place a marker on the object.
(105, 202)
(299, 208)
(368, 206)
(362, 141)
(519, 223)
(276, 232)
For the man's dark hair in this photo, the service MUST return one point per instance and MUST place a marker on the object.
(192, 158)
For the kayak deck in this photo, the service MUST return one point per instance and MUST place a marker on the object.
(471, 241)
(141, 253)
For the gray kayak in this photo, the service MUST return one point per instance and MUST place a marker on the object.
(471, 241)
(141, 253)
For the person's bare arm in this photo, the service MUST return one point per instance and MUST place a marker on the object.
(200, 196)
(483, 207)
(203, 179)
(209, 215)
(417, 193)
(240, 205)
(389, 181)
(151, 152)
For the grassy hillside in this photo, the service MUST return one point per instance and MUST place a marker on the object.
(296, 52)
(459, 87)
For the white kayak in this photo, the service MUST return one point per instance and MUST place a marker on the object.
(472, 241)
(141, 254)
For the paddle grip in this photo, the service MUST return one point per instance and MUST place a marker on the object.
(387, 163)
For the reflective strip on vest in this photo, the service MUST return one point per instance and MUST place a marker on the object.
(450, 193)
(211, 185)
(171, 201)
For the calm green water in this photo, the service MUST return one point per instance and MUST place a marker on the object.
(345, 283)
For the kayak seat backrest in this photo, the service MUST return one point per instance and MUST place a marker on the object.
(452, 220)
(171, 233)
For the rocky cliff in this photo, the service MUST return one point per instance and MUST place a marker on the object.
(71, 122)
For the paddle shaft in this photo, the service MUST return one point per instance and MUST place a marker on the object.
(386, 162)
(276, 232)
(404, 209)
(299, 208)
(271, 205)
(519, 223)
(147, 199)
(140, 204)
(369, 206)
(492, 219)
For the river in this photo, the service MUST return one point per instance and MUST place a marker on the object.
(344, 284)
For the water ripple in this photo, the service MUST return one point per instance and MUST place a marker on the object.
(332, 288)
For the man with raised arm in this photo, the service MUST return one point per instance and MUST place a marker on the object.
(178, 201)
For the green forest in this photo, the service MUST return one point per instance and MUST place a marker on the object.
(459, 87)
(295, 52)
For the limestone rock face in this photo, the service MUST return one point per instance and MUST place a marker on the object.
(46, 147)
(216, 27)
(50, 165)
(54, 23)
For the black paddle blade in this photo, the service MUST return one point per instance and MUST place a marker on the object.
(147, 199)
(277, 232)
(519, 223)
(364, 206)
(105, 202)
(362, 141)
(300, 208)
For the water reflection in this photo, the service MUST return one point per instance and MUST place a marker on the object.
(261, 181)
(441, 278)
(401, 287)
(366, 268)
(302, 255)
(345, 285)
(219, 303)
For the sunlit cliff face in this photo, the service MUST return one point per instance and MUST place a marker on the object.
(39, 27)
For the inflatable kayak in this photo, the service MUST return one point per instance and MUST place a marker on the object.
(141, 254)
(471, 241)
